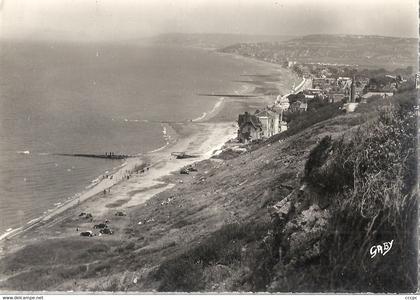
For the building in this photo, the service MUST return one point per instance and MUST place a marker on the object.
(303, 106)
(250, 128)
(270, 122)
(352, 96)
(336, 97)
(282, 102)
(323, 83)
(312, 93)
(283, 126)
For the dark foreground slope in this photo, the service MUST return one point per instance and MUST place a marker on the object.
(296, 213)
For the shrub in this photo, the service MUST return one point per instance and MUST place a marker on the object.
(299, 121)
(184, 273)
(370, 183)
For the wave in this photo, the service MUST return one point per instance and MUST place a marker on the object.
(44, 153)
(33, 221)
(8, 232)
(93, 183)
(200, 118)
(133, 120)
(23, 152)
(159, 149)
(166, 138)
(205, 114)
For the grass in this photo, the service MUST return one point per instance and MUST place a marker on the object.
(300, 121)
(370, 183)
(185, 273)
(55, 251)
(42, 266)
(41, 278)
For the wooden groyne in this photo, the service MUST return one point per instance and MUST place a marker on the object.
(102, 156)
(229, 95)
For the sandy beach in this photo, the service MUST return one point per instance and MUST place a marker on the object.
(201, 139)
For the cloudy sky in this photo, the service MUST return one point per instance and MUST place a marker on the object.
(126, 19)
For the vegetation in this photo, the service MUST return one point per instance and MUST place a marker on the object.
(299, 121)
(40, 266)
(370, 182)
(185, 273)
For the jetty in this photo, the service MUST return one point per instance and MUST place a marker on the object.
(229, 95)
(102, 156)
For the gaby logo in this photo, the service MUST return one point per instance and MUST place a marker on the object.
(381, 249)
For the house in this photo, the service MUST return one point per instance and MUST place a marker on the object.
(250, 128)
(299, 106)
(303, 106)
(417, 81)
(283, 126)
(270, 122)
(350, 91)
(311, 93)
(294, 106)
(323, 83)
(282, 102)
(336, 97)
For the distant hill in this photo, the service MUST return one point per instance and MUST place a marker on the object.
(363, 51)
(213, 40)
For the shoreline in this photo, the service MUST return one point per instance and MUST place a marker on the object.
(202, 135)
(99, 183)
(128, 166)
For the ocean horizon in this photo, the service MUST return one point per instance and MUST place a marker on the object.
(96, 99)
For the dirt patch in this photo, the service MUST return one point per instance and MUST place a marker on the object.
(117, 203)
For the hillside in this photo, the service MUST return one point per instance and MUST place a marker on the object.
(363, 51)
(296, 213)
(212, 40)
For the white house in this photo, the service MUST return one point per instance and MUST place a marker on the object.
(270, 122)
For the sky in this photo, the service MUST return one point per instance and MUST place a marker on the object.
(131, 19)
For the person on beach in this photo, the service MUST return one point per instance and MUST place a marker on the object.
(104, 192)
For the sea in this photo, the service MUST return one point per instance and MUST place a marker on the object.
(93, 98)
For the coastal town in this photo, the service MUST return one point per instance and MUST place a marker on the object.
(321, 85)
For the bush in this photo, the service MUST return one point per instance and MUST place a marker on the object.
(370, 182)
(299, 121)
(184, 273)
